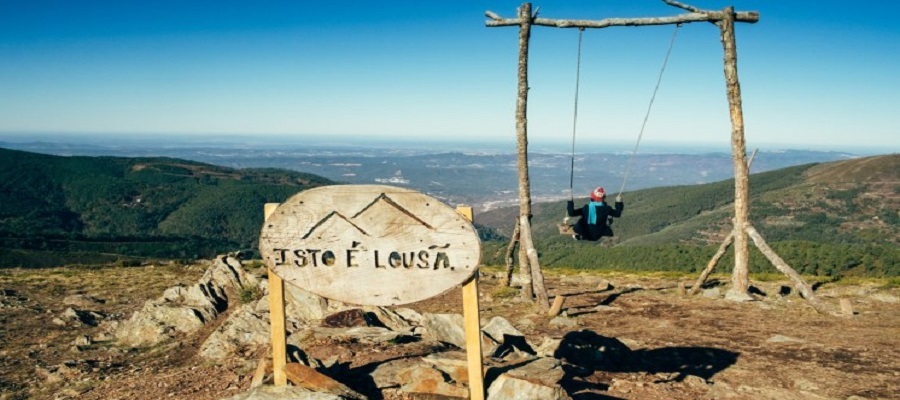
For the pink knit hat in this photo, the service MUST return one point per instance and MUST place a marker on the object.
(598, 194)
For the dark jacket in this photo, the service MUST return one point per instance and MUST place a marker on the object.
(588, 231)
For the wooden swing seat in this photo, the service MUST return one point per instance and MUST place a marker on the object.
(566, 229)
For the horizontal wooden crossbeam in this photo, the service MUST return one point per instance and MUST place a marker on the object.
(695, 15)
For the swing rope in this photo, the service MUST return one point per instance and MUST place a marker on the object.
(575, 114)
(649, 107)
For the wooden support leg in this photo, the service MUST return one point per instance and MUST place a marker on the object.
(276, 318)
(471, 318)
(712, 263)
(782, 266)
(472, 325)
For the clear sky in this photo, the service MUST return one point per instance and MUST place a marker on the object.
(813, 73)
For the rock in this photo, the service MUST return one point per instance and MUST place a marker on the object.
(502, 340)
(362, 334)
(83, 340)
(548, 347)
(157, 322)
(711, 293)
(410, 315)
(516, 281)
(538, 379)
(262, 306)
(733, 295)
(446, 328)
(186, 309)
(426, 380)
(694, 381)
(311, 379)
(244, 327)
(563, 322)
(783, 339)
(803, 384)
(283, 393)
(103, 337)
(47, 375)
(777, 393)
(227, 272)
(81, 317)
(393, 320)
(386, 374)
(82, 301)
(885, 298)
(9, 299)
(499, 327)
(306, 306)
(353, 317)
(453, 364)
(721, 390)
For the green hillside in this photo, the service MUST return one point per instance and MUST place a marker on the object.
(93, 209)
(835, 218)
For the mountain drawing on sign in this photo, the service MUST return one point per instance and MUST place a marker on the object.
(381, 217)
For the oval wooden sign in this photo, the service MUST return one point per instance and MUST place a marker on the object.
(369, 244)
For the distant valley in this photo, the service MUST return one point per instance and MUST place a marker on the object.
(478, 175)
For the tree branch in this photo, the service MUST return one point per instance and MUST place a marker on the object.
(683, 6)
(492, 15)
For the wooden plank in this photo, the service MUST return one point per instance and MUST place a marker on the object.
(276, 317)
(260, 373)
(557, 305)
(472, 325)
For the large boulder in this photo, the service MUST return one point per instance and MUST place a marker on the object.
(446, 328)
(244, 328)
(538, 379)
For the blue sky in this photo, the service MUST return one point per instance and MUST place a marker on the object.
(818, 74)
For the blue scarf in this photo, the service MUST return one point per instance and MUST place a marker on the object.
(592, 212)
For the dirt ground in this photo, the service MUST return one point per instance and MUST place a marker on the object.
(675, 347)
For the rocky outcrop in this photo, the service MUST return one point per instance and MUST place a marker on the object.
(185, 309)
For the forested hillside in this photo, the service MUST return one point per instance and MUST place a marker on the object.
(57, 210)
(836, 218)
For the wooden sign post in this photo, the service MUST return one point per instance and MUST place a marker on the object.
(371, 245)
(472, 325)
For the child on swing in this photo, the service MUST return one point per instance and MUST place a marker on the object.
(594, 216)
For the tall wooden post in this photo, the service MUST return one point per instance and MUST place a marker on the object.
(740, 276)
(522, 149)
(276, 317)
(472, 325)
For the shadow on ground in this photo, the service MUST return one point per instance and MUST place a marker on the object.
(587, 352)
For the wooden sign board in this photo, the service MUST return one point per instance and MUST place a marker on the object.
(369, 244)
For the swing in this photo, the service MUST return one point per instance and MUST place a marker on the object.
(565, 228)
